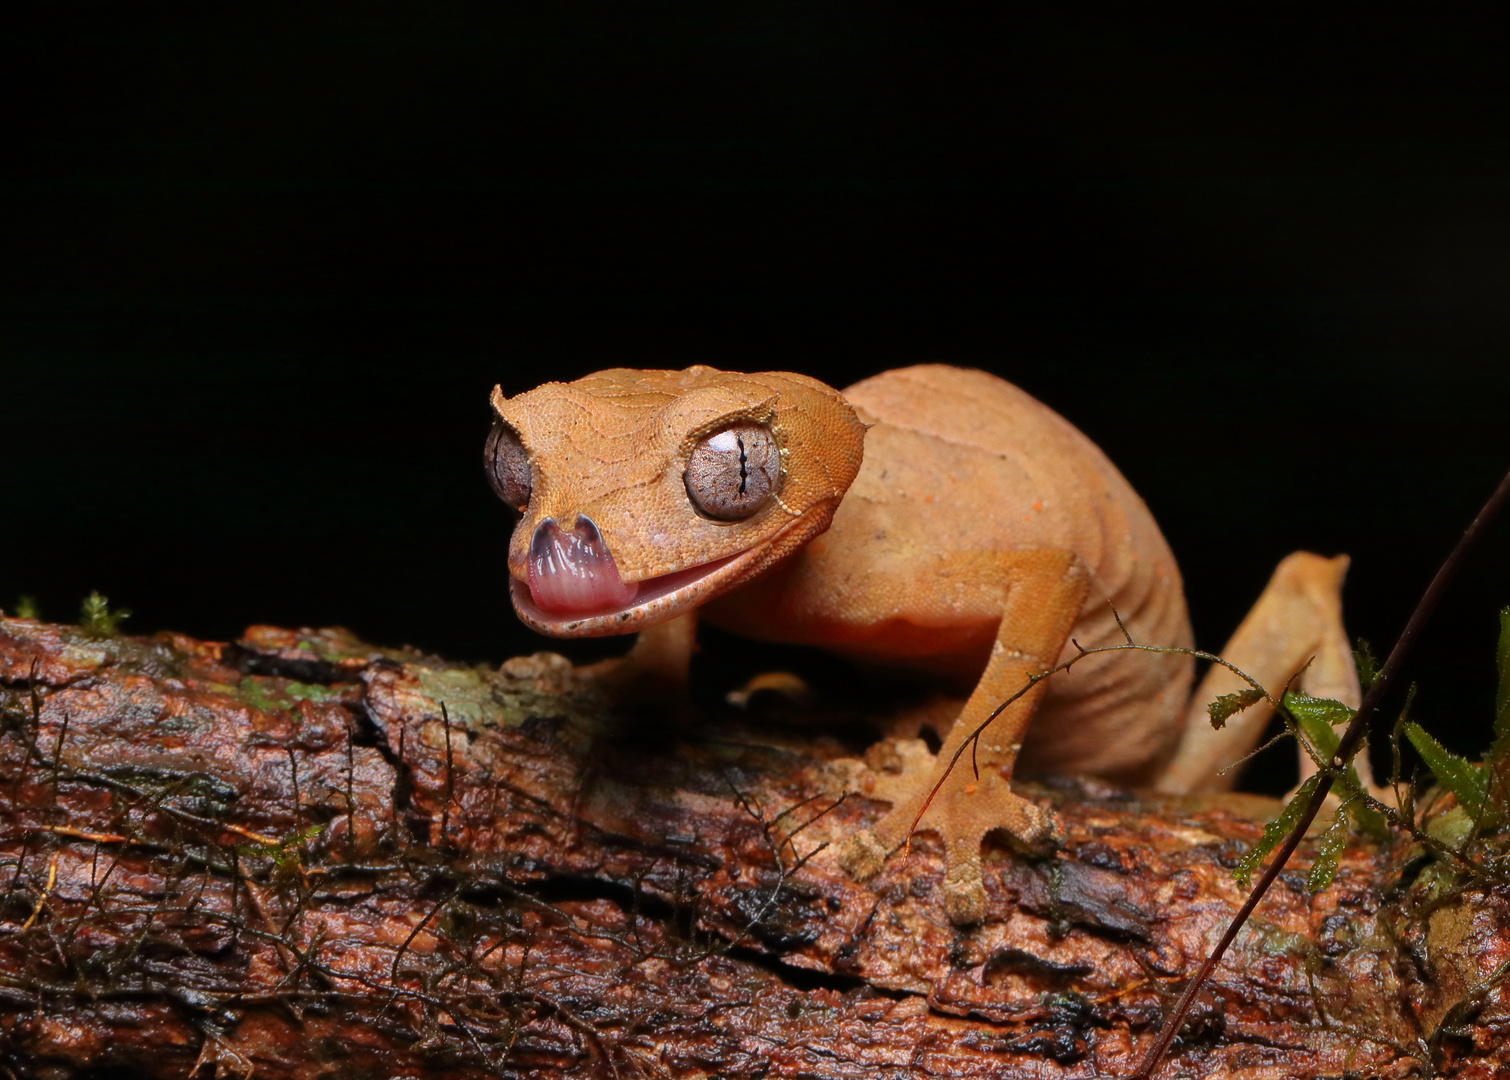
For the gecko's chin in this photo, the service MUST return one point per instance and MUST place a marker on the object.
(650, 601)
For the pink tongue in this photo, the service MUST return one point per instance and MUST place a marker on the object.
(572, 572)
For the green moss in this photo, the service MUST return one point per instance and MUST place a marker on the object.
(266, 693)
(1499, 750)
(96, 618)
(1451, 828)
(1368, 667)
(469, 699)
(1277, 942)
(1274, 832)
(1436, 880)
(286, 851)
(1459, 775)
(1329, 847)
(1316, 718)
(479, 698)
(1482, 789)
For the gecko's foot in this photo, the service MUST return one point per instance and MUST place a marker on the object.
(962, 813)
(779, 688)
(1029, 828)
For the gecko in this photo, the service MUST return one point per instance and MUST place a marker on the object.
(931, 518)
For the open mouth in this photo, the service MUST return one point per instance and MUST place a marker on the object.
(632, 605)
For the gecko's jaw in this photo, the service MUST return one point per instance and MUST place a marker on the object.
(595, 602)
(644, 603)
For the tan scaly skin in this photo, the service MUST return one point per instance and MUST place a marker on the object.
(974, 536)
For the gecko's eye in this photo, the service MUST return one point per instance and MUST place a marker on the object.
(732, 473)
(508, 466)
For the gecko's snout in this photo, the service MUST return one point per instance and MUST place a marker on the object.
(572, 572)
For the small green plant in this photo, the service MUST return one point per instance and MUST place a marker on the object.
(96, 618)
(1227, 706)
(1499, 750)
(1275, 831)
(261, 694)
(1316, 719)
(1480, 789)
(1368, 667)
(26, 608)
(285, 851)
(1313, 721)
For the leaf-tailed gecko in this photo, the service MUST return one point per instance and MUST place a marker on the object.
(930, 517)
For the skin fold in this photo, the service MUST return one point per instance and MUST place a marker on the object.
(931, 517)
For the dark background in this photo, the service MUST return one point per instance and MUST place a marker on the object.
(262, 269)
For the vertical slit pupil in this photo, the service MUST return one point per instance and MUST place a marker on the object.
(743, 472)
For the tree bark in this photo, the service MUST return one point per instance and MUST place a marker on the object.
(300, 855)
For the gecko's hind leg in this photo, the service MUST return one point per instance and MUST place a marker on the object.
(1298, 619)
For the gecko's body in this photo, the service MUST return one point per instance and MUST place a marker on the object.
(959, 468)
(932, 517)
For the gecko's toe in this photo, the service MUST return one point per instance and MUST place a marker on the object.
(964, 891)
(1032, 829)
(863, 855)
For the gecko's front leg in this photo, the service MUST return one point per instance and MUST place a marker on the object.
(656, 668)
(1042, 593)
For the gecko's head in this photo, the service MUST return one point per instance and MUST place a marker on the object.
(643, 494)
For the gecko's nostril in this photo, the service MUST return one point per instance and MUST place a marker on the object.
(571, 571)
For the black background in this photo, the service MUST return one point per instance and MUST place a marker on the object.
(261, 269)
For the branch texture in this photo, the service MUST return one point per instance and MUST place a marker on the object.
(299, 855)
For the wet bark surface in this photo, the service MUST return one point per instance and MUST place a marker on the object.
(299, 855)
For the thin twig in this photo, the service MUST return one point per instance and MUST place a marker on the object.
(399, 955)
(52, 881)
(445, 806)
(351, 805)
